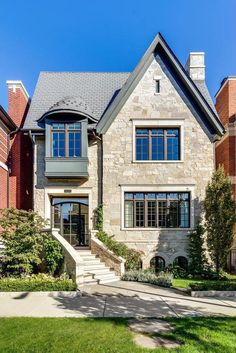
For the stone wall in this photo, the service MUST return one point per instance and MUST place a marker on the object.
(120, 170)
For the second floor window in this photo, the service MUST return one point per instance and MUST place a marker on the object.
(157, 144)
(66, 140)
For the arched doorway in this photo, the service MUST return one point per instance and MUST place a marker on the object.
(157, 263)
(70, 215)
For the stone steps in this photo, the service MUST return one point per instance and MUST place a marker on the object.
(96, 271)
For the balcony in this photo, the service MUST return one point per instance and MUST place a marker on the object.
(66, 167)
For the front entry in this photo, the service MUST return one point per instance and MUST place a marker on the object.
(70, 215)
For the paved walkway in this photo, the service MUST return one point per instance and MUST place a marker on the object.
(118, 299)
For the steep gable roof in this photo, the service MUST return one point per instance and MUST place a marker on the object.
(199, 93)
(6, 119)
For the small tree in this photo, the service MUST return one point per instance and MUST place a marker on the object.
(196, 250)
(23, 240)
(99, 218)
(220, 208)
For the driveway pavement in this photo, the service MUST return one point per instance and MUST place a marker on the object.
(124, 299)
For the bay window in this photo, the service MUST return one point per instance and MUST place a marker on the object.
(66, 139)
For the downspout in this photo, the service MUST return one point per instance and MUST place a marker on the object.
(32, 138)
(101, 170)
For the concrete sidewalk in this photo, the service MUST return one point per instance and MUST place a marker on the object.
(118, 299)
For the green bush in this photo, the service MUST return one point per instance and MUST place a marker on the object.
(22, 238)
(132, 257)
(213, 285)
(34, 283)
(177, 271)
(163, 279)
(52, 256)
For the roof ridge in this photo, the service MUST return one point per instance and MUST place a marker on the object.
(85, 72)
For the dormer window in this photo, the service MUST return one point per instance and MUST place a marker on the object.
(66, 139)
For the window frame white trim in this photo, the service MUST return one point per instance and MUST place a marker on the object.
(161, 123)
(158, 188)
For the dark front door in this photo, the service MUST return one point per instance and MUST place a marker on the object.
(70, 215)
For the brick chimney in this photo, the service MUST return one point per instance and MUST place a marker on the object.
(18, 102)
(195, 66)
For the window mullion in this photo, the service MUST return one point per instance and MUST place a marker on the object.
(150, 144)
(165, 144)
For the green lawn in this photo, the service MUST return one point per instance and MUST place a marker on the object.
(184, 283)
(36, 335)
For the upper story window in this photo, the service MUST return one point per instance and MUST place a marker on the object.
(157, 144)
(66, 139)
(157, 209)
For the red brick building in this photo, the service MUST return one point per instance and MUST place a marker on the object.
(16, 151)
(226, 147)
(7, 127)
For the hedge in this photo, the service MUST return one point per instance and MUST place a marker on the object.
(36, 283)
(163, 279)
(213, 285)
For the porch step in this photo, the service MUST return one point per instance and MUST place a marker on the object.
(95, 271)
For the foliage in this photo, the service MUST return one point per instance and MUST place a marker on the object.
(132, 257)
(34, 283)
(52, 255)
(176, 271)
(196, 250)
(163, 279)
(23, 240)
(111, 335)
(213, 285)
(220, 208)
(99, 218)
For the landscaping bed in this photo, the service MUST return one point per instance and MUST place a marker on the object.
(109, 335)
(36, 283)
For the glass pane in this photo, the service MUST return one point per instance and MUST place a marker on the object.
(139, 216)
(129, 214)
(142, 148)
(141, 131)
(159, 132)
(129, 196)
(158, 148)
(172, 216)
(151, 196)
(157, 263)
(74, 144)
(161, 195)
(139, 196)
(151, 214)
(173, 144)
(184, 214)
(162, 213)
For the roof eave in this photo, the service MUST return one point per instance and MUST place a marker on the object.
(7, 120)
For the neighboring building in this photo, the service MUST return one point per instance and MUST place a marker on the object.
(15, 151)
(226, 147)
(142, 144)
(7, 127)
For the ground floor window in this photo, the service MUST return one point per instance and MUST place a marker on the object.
(157, 263)
(157, 209)
(181, 261)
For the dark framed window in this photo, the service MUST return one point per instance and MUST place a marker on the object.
(158, 86)
(157, 209)
(181, 261)
(66, 139)
(157, 144)
(157, 263)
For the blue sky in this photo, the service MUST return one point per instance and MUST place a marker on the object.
(106, 35)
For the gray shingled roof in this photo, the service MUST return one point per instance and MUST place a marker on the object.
(201, 85)
(97, 89)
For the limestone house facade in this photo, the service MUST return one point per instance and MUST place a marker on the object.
(140, 143)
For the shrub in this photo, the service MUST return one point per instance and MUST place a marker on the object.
(132, 257)
(34, 283)
(196, 250)
(163, 279)
(177, 271)
(23, 241)
(99, 218)
(213, 285)
(52, 256)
